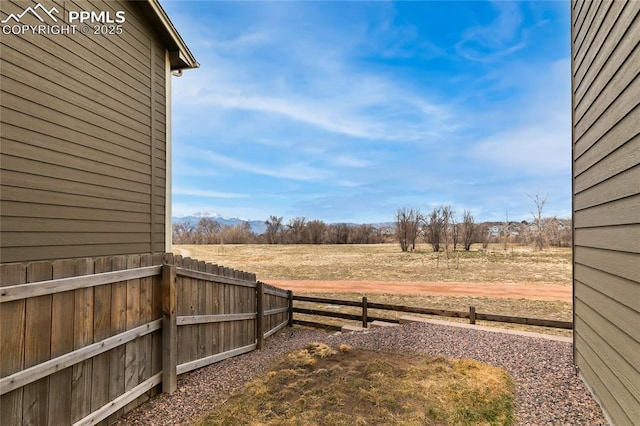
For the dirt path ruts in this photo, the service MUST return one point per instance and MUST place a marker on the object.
(536, 291)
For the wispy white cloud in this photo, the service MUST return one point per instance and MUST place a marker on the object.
(371, 109)
(499, 38)
(296, 171)
(352, 162)
(314, 80)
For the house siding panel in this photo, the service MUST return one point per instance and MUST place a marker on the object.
(83, 140)
(606, 202)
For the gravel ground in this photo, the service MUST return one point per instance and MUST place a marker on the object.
(548, 390)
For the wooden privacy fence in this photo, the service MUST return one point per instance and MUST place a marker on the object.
(365, 318)
(85, 340)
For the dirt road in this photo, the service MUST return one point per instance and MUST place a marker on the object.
(514, 291)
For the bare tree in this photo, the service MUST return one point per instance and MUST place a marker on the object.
(274, 229)
(447, 234)
(455, 230)
(538, 225)
(236, 234)
(484, 235)
(207, 230)
(182, 233)
(316, 231)
(364, 234)
(339, 233)
(468, 229)
(407, 226)
(296, 229)
(433, 229)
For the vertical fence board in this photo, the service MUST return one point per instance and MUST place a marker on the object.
(101, 330)
(201, 303)
(240, 308)
(131, 369)
(260, 315)
(248, 324)
(210, 333)
(267, 318)
(62, 311)
(146, 315)
(12, 330)
(184, 292)
(290, 304)
(193, 310)
(37, 346)
(156, 338)
(237, 309)
(234, 310)
(228, 299)
(182, 309)
(83, 336)
(222, 327)
(118, 325)
(188, 331)
(249, 302)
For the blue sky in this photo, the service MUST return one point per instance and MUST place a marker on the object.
(347, 111)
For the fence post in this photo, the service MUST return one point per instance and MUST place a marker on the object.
(472, 314)
(364, 312)
(290, 298)
(169, 330)
(260, 315)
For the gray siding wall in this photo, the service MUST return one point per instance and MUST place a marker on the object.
(82, 128)
(606, 202)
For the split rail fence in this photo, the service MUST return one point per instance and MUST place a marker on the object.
(83, 341)
(365, 318)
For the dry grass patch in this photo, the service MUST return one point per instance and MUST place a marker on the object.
(385, 262)
(360, 387)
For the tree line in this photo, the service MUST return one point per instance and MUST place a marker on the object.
(440, 228)
(296, 231)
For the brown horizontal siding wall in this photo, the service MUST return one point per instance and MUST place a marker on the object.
(83, 130)
(606, 202)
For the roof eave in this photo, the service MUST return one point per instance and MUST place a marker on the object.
(179, 54)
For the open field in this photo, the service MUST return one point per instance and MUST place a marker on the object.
(517, 282)
(385, 262)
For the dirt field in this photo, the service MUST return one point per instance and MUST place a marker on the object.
(515, 273)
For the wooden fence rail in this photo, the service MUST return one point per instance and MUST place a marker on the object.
(365, 305)
(84, 340)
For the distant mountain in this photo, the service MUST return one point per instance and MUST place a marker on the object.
(257, 226)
